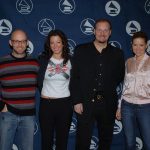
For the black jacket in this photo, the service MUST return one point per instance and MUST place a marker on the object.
(43, 62)
(83, 75)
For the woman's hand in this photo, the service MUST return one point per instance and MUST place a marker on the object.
(118, 114)
(78, 108)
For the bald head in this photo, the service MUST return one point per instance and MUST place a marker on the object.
(19, 35)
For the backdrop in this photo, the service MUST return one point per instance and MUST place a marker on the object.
(76, 19)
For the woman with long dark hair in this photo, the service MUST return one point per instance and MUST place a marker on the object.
(55, 111)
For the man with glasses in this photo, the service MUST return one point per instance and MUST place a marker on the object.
(97, 69)
(18, 79)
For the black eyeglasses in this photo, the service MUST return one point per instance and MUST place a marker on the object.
(17, 42)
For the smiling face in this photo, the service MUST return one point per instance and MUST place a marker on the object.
(139, 46)
(18, 43)
(56, 45)
(102, 32)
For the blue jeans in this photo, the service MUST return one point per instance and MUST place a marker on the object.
(134, 115)
(16, 128)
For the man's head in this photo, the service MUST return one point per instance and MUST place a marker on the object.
(18, 42)
(102, 30)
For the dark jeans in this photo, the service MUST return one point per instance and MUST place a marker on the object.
(55, 117)
(133, 115)
(104, 124)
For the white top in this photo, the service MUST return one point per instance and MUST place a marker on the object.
(136, 87)
(57, 78)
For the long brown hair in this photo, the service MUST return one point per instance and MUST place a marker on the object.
(47, 49)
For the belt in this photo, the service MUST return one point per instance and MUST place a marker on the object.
(98, 97)
(55, 99)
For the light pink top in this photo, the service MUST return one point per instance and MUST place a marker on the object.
(136, 87)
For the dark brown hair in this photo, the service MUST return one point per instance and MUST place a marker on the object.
(140, 34)
(47, 49)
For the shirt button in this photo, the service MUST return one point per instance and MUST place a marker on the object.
(100, 74)
(100, 64)
(94, 89)
(93, 100)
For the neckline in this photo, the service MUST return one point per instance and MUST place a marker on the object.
(18, 58)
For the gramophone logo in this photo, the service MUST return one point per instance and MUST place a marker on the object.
(73, 125)
(119, 88)
(139, 144)
(67, 6)
(45, 26)
(5, 27)
(147, 6)
(87, 26)
(115, 44)
(30, 48)
(117, 127)
(132, 27)
(14, 147)
(94, 143)
(24, 6)
(148, 48)
(112, 8)
(72, 45)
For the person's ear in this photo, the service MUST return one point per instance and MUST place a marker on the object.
(10, 42)
(94, 31)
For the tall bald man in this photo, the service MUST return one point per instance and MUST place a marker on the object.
(18, 79)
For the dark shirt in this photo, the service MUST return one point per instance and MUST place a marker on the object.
(99, 67)
(93, 71)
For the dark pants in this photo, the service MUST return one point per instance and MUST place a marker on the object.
(55, 117)
(105, 126)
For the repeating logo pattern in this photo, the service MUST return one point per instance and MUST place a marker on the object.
(115, 44)
(148, 48)
(24, 6)
(14, 147)
(67, 6)
(72, 46)
(94, 143)
(30, 48)
(119, 89)
(5, 27)
(112, 8)
(132, 27)
(45, 26)
(73, 125)
(139, 144)
(117, 127)
(147, 6)
(87, 26)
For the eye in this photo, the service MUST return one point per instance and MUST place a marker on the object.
(16, 42)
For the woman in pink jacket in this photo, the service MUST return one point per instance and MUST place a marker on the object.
(134, 105)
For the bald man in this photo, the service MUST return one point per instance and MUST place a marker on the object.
(18, 79)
